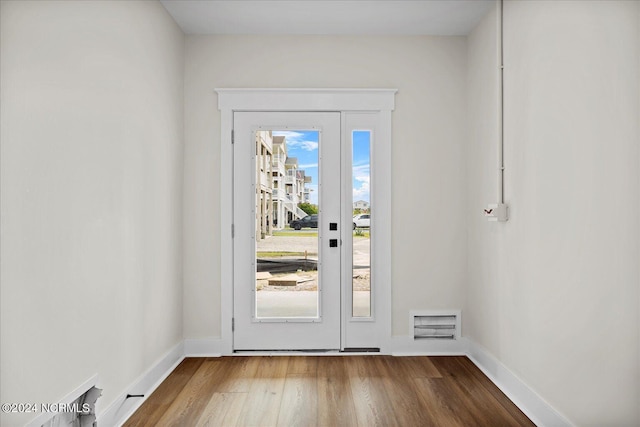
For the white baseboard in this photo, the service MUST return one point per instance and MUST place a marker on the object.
(122, 408)
(527, 400)
(204, 347)
(535, 407)
(407, 346)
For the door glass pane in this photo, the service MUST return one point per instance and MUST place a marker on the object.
(286, 208)
(361, 178)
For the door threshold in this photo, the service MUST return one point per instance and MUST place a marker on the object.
(286, 353)
(361, 350)
(312, 352)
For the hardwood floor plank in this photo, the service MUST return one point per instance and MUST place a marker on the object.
(418, 367)
(223, 409)
(361, 366)
(160, 400)
(332, 367)
(335, 402)
(244, 370)
(373, 406)
(189, 404)
(303, 365)
(442, 405)
(299, 404)
(262, 406)
(408, 408)
(486, 409)
(273, 367)
(328, 391)
(497, 394)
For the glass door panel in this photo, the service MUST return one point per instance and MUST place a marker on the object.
(361, 256)
(286, 208)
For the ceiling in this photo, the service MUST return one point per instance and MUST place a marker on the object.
(350, 17)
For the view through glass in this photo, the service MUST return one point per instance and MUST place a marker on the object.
(361, 178)
(286, 206)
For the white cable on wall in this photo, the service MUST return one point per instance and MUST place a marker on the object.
(499, 211)
(501, 107)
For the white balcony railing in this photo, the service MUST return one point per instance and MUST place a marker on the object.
(265, 180)
(293, 208)
(278, 165)
(280, 194)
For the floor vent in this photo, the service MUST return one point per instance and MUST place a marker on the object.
(439, 325)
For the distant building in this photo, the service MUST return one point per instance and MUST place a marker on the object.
(280, 185)
(279, 172)
(295, 180)
(264, 183)
(362, 205)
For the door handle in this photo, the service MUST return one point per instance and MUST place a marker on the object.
(333, 243)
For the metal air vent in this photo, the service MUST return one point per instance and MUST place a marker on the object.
(436, 325)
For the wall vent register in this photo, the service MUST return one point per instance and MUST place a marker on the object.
(440, 326)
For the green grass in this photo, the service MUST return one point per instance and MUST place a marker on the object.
(292, 233)
(357, 233)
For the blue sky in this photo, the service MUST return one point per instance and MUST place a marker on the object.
(304, 146)
(361, 165)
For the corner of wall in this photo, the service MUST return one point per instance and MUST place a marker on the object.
(527, 400)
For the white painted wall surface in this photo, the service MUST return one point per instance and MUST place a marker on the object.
(553, 293)
(428, 228)
(484, 266)
(92, 130)
(638, 208)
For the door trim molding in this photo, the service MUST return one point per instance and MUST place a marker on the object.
(305, 99)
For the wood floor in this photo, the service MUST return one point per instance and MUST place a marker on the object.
(328, 391)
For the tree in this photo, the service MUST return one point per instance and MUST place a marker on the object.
(308, 208)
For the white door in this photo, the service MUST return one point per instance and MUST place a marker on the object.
(287, 262)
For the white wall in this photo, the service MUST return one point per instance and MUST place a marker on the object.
(553, 293)
(92, 128)
(429, 237)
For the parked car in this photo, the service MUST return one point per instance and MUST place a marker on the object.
(362, 220)
(309, 221)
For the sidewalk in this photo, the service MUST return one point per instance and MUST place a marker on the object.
(302, 304)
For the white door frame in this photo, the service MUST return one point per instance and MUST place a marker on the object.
(347, 101)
